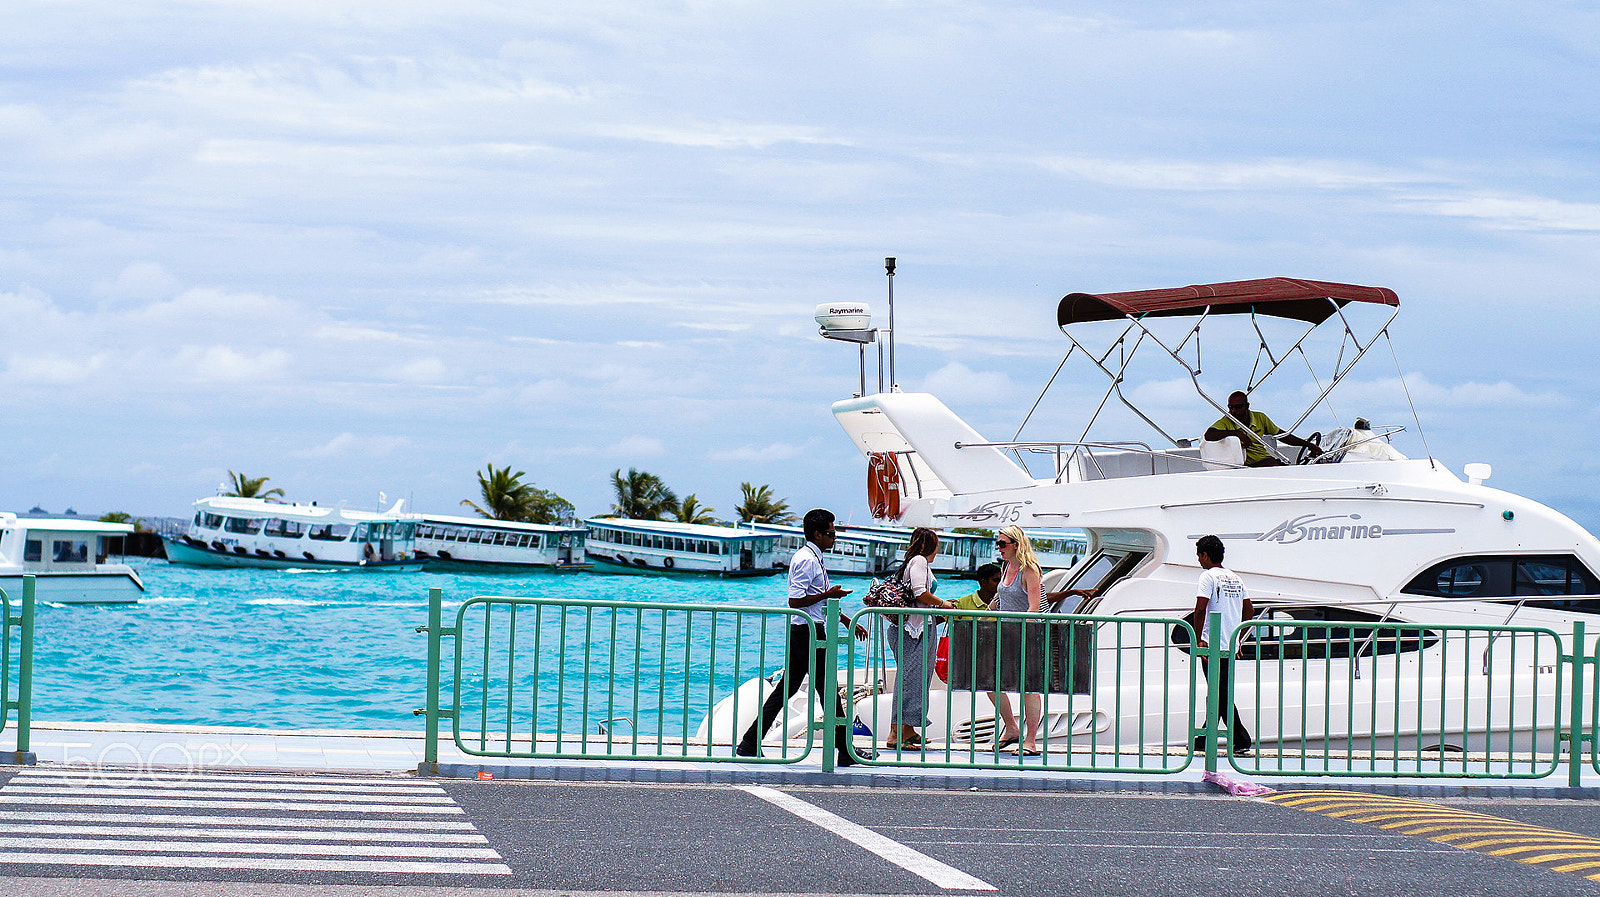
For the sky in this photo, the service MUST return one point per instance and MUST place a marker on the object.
(367, 248)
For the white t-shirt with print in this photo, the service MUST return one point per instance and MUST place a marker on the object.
(1224, 592)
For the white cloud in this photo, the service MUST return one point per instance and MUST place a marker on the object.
(350, 446)
(227, 364)
(956, 383)
(777, 451)
(140, 281)
(637, 447)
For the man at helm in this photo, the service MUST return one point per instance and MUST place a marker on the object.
(1255, 452)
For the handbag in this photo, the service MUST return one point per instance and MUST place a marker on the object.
(894, 592)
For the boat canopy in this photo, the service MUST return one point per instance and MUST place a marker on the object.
(1312, 301)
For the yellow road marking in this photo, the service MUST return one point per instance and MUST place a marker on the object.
(1520, 842)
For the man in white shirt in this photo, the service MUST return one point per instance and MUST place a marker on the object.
(809, 590)
(1223, 592)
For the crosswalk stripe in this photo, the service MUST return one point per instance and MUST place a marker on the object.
(424, 837)
(172, 802)
(184, 794)
(199, 819)
(168, 845)
(176, 777)
(201, 862)
(284, 823)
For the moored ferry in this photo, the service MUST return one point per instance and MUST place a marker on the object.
(960, 554)
(252, 532)
(481, 543)
(67, 557)
(856, 552)
(1057, 549)
(620, 545)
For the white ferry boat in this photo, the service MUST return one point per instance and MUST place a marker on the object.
(856, 551)
(68, 558)
(620, 545)
(1057, 550)
(485, 544)
(252, 532)
(1338, 543)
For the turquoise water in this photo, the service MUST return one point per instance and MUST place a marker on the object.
(288, 649)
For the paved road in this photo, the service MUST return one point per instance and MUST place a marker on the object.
(465, 836)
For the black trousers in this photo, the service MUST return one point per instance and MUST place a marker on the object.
(1228, 714)
(796, 667)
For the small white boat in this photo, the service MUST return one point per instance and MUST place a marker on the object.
(619, 545)
(252, 532)
(484, 544)
(68, 558)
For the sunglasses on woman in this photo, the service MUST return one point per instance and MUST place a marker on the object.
(1001, 543)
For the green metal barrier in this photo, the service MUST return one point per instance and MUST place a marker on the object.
(18, 696)
(547, 678)
(1111, 695)
(1361, 699)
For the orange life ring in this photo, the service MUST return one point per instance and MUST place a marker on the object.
(883, 485)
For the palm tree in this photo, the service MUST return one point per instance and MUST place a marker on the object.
(545, 506)
(642, 496)
(691, 511)
(250, 487)
(123, 517)
(760, 507)
(505, 496)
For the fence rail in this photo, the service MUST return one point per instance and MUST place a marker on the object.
(16, 644)
(549, 678)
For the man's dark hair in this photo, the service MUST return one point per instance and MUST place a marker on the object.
(1212, 546)
(818, 520)
(988, 570)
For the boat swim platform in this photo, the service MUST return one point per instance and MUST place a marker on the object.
(176, 750)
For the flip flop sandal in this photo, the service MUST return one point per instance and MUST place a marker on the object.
(1005, 743)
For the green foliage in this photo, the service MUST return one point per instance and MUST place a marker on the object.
(125, 517)
(760, 507)
(642, 496)
(250, 487)
(691, 511)
(973, 531)
(507, 497)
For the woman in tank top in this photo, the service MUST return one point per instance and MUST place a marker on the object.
(1020, 591)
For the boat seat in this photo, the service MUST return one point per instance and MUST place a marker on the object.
(1222, 454)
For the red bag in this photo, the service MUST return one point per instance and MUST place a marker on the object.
(941, 659)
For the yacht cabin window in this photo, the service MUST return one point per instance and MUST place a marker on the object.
(1544, 579)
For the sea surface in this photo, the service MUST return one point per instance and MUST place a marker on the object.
(284, 649)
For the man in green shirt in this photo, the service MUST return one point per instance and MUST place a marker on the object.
(988, 581)
(1255, 453)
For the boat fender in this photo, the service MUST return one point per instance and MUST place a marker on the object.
(308, 555)
(883, 485)
(219, 546)
(263, 552)
(445, 555)
(239, 549)
(669, 563)
(641, 562)
(278, 553)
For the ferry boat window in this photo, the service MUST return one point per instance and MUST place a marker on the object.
(70, 551)
(212, 521)
(284, 529)
(331, 532)
(245, 525)
(362, 534)
(33, 551)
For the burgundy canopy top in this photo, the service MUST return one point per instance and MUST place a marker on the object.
(1284, 297)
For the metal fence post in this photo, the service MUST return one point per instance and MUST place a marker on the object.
(1214, 654)
(430, 746)
(25, 673)
(830, 685)
(1575, 734)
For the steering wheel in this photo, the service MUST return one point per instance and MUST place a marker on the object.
(1315, 439)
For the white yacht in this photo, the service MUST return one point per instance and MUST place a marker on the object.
(68, 558)
(665, 547)
(484, 544)
(253, 532)
(1334, 546)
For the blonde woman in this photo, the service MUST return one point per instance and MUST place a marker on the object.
(1020, 591)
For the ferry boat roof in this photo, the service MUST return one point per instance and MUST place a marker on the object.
(673, 527)
(493, 523)
(63, 524)
(234, 506)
